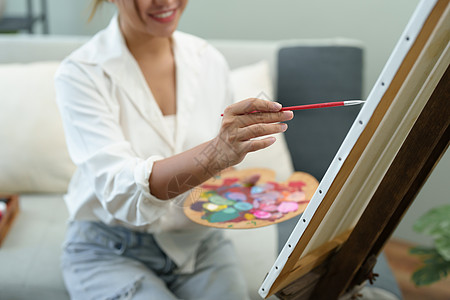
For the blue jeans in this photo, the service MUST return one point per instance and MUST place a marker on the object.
(105, 262)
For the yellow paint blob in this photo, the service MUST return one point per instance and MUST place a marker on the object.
(214, 207)
(249, 216)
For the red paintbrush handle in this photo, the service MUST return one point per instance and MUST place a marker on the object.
(317, 105)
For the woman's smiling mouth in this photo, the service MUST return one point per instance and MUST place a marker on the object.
(164, 16)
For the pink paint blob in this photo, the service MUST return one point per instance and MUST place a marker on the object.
(269, 196)
(268, 186)
(286, 207)
(262, 214)
(266, 202)
(269, 208)
(277, 215)
(296, 196)
(255, 204)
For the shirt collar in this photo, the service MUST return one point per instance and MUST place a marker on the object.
(113, 54)
(108, 50)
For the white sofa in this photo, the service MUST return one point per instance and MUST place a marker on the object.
(34, 161)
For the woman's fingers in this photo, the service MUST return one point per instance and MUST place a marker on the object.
(254, 111)
(251, 105)
(246, 120)
(255, 145)
(263, 117)
(259, 130)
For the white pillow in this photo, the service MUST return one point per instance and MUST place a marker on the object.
(253, 81)
(33, 153)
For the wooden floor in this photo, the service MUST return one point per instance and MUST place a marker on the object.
(403, 265)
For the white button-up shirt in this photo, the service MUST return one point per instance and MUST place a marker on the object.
(115, 131)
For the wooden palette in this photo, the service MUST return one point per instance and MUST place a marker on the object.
(230, 201)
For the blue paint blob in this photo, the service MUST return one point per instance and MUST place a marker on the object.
(243, 206)
(256, 189)
(236, 196)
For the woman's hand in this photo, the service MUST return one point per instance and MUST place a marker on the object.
(242, 123)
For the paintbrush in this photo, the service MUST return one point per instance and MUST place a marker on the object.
(320, 105)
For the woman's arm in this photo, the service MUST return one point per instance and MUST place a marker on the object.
(175, 175)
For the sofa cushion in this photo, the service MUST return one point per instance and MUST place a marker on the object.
(33, 155)
(251, 81)
(316, 74)
(31, 251)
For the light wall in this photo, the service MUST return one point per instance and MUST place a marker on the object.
(377, 23)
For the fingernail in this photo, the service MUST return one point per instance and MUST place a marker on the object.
(277, 106)
(288, 114)
(284, 127)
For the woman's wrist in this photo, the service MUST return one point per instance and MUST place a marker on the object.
(198, 164)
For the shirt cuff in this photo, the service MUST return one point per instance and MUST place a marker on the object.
(142, 176)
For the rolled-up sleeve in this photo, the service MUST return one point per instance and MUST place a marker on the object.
(108, 165)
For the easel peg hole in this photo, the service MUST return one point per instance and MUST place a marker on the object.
(304, 220)
(360, 122)
(320, 191)
(340, 158)
(289, 245)
(382, 83)
(276, 268)
(407, 38)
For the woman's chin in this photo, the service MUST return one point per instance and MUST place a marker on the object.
(161, 30)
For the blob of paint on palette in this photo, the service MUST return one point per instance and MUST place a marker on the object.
(236, 202)
(236, 196)
(243, 206)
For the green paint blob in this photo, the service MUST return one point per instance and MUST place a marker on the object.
(222, 216)
(229, 210)
(219, 200)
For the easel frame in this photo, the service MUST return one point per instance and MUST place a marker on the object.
(300, 273)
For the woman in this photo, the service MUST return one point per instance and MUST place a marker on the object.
(141, 107)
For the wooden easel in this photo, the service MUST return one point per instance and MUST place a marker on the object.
(352, 263)
(335, 267)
